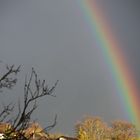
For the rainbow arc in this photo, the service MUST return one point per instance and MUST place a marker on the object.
(122, 75)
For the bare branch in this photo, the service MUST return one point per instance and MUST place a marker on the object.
(7, 80)
(6, 111)
(48, 128)
(34, 89)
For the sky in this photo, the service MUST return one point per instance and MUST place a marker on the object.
(51, 36)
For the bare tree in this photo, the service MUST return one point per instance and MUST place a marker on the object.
(8, 80)
(34, 89)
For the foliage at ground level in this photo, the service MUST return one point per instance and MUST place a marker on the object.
(90, 128)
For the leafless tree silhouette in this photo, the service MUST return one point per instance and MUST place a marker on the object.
(34, 89)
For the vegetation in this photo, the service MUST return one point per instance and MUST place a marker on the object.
(34, 89)
(22, 127)
(93, 128)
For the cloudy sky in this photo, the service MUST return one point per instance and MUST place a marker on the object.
(50, 36)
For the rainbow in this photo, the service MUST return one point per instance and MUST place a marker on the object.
(123, 78)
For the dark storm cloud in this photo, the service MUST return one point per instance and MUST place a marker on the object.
(49, 35)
